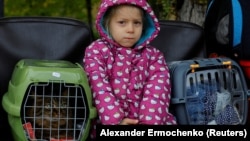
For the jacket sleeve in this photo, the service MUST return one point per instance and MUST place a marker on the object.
(109, 110)
(154, 107)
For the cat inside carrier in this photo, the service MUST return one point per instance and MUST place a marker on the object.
(49, 101)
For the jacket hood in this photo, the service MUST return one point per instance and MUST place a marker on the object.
(151, 25)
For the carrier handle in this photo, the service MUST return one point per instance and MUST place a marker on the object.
(202, 63)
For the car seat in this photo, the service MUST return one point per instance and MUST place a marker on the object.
(180, 40)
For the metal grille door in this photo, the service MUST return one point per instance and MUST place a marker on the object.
(53, 111)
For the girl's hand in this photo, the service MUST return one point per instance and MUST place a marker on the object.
(129, 121)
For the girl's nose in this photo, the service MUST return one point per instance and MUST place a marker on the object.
(130, 28)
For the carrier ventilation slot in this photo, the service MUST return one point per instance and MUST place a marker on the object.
(224, 77)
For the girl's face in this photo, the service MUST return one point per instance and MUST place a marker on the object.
(126, 25)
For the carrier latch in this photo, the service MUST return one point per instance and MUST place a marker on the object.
(228, 63)
(194, 66)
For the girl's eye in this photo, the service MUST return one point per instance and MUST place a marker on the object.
(121, 22)
(137, 23)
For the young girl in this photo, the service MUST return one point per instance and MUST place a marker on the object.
(129, 79)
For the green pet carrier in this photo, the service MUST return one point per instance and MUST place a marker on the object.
(49, 100)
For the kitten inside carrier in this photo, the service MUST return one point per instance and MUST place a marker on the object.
(51, 111)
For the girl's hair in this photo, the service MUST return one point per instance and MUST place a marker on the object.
(111, 11)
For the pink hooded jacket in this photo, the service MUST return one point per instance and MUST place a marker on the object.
(125, 82)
